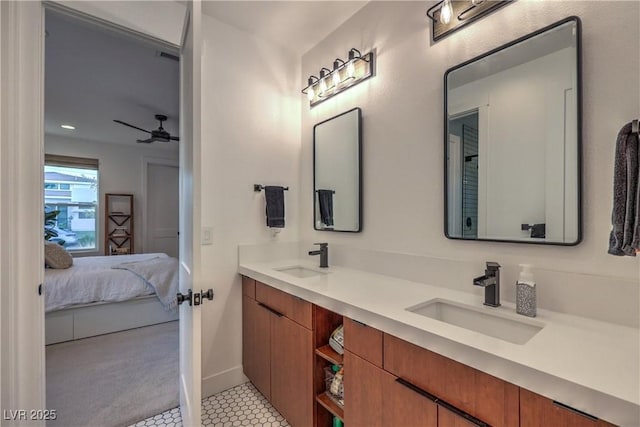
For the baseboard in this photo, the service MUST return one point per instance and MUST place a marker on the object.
(222, 381)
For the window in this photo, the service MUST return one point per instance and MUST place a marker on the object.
(71, 188)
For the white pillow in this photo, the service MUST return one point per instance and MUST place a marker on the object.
(55, 256)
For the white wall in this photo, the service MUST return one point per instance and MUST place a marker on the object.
(120, 171)
(250, 135)
(403, 148)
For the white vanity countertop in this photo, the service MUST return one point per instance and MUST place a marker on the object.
(587, 364)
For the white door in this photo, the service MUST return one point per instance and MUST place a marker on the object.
(162, 209)
(190, 329)
(22, 363)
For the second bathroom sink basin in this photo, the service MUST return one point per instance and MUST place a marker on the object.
(301, 272)
(479, 319)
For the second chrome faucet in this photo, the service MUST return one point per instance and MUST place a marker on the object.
(324, 254)
(491, 284)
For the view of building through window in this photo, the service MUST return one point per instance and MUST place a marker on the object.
(74, 193)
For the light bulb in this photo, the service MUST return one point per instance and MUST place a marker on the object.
(310, 94)
(323, 85)
(446, 12)
(336, 78)
(351, 69)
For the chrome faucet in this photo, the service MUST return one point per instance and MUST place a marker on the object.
(491, 284)
(324, 254)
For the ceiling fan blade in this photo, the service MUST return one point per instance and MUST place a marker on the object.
(174, 138)
(146, 141)
(131, 126)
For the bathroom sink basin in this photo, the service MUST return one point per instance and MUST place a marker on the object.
(301, 272)
(479, 319)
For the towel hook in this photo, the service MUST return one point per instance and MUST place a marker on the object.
(635, 126)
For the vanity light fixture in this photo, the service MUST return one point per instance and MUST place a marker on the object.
(343, 75)
(448, 16)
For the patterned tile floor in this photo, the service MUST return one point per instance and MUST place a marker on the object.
(239, 406)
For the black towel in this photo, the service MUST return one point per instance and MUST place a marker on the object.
(274, 197)
(625, 233)
(325, 199)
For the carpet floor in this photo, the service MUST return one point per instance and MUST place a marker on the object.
(115, 379)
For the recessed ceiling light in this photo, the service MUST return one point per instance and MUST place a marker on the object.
(67, 127)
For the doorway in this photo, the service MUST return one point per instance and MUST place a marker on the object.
(113, 345)
(463, 169)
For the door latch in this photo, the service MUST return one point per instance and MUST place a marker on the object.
(188, 297)
(195, 298)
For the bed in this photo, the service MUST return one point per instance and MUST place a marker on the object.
(104, 294)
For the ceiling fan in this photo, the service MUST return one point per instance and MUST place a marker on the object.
(159, 134)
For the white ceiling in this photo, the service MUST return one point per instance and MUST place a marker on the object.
(95, 75)
(296, 25)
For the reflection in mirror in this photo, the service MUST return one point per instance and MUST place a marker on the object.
(337, 173)
(513, 141)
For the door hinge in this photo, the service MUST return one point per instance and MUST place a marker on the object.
(40, 289)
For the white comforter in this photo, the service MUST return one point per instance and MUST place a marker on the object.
(91, 279)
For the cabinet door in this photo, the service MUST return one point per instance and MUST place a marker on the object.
(538, 411)
(363, 386)
(292, 371)
(447, 418)
(404, 406)
(256, 345)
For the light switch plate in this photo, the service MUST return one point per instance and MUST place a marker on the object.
(207, 235)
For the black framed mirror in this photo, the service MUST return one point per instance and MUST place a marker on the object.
(513, 141)
(337, 173)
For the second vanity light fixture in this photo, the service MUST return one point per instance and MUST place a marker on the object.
(344, 75)
(451, 15)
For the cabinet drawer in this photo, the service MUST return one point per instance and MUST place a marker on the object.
(481, 395)
(248, 287)
(363, 340)
(296, 309)
(538, 411)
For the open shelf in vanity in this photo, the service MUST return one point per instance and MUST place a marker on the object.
(325, 406)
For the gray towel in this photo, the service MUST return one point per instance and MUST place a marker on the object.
(274, 197)
(625, 216)
(325, 200)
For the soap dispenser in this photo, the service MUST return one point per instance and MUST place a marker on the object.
(526, 292)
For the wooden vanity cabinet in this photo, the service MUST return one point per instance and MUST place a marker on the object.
(538, 411)
(278, 350)
(387, 381)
